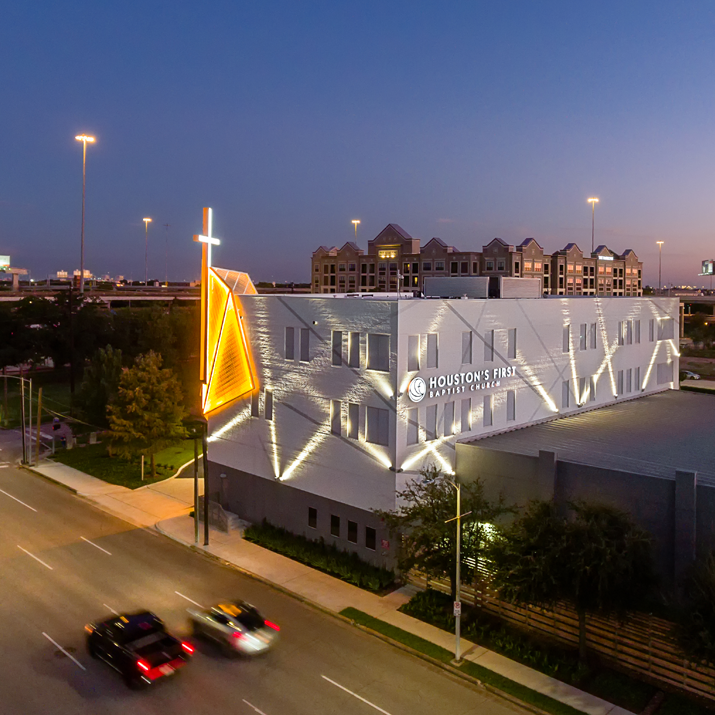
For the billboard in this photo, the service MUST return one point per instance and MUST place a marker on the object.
(708, 268)
(4, 262)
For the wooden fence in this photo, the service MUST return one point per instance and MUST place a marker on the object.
(642, 644)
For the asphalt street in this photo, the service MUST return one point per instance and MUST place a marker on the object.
(64, 563)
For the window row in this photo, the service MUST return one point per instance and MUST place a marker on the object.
(267, 404)
(628, 333)
(345, 420)
(370, 535)
(430, 344)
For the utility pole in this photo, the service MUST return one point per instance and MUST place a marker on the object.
(166, 277)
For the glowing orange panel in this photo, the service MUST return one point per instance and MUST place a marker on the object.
(218, 296)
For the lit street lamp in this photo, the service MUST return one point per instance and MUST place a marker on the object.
(660, 261)
(355, 223)
(593, 201)
(84, 139)
(147, 221)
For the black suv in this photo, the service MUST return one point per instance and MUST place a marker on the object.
(137, 646)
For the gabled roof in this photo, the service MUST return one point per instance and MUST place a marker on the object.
(352, 245)
(324, 250)
(605, 249)
(629, 252)
(436, 240)
(398, 229)
(441, 244)
(528, 241)
(571, 246)
(500, 242)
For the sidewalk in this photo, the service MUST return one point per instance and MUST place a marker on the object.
(166, 505)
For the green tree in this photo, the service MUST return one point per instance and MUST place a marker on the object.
(696, 626)
(146, 414)
(100, 384)
(595, 557)
(425, 524)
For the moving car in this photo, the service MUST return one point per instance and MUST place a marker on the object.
(236, 626)
(688, 375)
(138, 646)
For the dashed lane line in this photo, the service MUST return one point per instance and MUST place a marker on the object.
(260, 712)
(188, 599)
(355, 695)
(95, 545)
(57, 645)
(35, 557)
(18, 501)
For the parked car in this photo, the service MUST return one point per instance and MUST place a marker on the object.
(138, 647)
(237, 627)
(688, 375)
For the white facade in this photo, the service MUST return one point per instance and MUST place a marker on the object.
(335, 415)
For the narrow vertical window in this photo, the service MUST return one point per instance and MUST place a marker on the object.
(337, 347)
(637, 380)
(487, 413)
(629, 332)
(592, 335)
(511, 344)
(621, 341)
(378, 352)
(566, 347)
(255, 404)
(432, 350)
(582, 336)
(354, 350)
(651, 330)
(413, 353)
(352, 532)
(448, 419)
(312, 517)
(290, 344)
(592, 389)
(378, 427)
(466, 414)
(488, 345)
(629, 380)
(370, 538)
(269, 404)
(581, 390)
(335, 410)
(467, 348)
(413, 426)
(637, 331)
(353, 420)
(305, 344)
(619, 382)
(431, 423)
(565, 394)
(334, 525)
(510, 406)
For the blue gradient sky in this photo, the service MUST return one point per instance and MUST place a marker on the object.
(464, 120)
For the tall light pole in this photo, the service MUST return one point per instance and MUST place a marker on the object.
(355, 223)
(84, 139)
(147, 221)
(593, 201)
(660, 261)
(166, 277)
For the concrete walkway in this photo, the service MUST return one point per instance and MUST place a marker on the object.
(166, 505)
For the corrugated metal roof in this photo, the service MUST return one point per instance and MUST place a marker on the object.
(654, 435)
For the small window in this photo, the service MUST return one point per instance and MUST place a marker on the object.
(637, 331)
(378, 429)
(510, 406)
(378, 352)
(665, 329)
(432, 350)
(290, 344)
(467, 348)
(637, 380)
(353, 420)
(651, 330)
(583, 336)
(466, 414)
(629, 380)
(592, 336)
(413, 426)
(566, 347)
(337, 347)
(487, 414)
(439, 265)
(454, 267)
(664, 372)
(488, 345)
(621, 337)
(511, 345)
(370, 538)
(427, 266)
(464, 267)
(500, 265)
(619, 382)
(413, 353)
(312, 517)
(269, 404)
(255, 406)
(591, 389)
(431, 423)
(354, 350)
(629, 332)
(581, 390)
(335, 525)
(448, 419)
(335, 409)
(305, 344)
(352, 531)
(565, 394)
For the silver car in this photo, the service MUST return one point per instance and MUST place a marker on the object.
(236, 626)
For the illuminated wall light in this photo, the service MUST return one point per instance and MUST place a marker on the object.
(531, 380)
(312, 445)
(274, 442)
(431, 447)
(234, 422)
(378, 455)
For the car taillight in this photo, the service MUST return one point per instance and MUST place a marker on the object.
(237, 636)
(89, 628)
(143, 665)
(187, 647)
(272, 625)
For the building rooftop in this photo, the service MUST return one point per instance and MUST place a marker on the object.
(654, 435)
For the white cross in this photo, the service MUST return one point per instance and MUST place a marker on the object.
(208, 238)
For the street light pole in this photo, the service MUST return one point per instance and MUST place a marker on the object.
(660, 262)
(147, 221)
(166, 276)
(355, 223)
(84, 139)
(593, 201)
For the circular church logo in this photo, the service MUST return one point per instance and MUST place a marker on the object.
(417, 389)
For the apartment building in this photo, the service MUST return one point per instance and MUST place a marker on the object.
(394, 258)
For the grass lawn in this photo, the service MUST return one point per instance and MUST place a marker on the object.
(55, 397)
(93, 459)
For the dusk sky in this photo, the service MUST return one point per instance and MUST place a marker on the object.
(463, 120)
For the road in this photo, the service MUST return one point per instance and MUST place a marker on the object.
(64, 563)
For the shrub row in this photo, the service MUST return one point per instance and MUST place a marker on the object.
(328, 558)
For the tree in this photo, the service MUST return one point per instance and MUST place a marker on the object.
(100, 385)
(696, 626)
(145, 416)
(427, 529)
(597, 559)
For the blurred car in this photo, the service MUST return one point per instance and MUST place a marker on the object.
(236, 626)
(688, 375)
(138, 647)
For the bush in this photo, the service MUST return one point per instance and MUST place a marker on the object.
(328, 558)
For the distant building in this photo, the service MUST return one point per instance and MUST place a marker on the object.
(395, 258)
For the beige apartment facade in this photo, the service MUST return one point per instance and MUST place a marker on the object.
(396, 259)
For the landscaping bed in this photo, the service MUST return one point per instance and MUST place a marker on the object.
(328, 558)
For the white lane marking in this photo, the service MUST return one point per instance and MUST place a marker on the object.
(95, 545)
(188, 599)
(17, 500)
(57, 645)
(355, 695)
(260, 712)
(109, 608)
(4, 466)
(34, 557)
